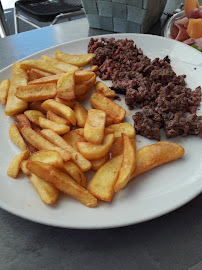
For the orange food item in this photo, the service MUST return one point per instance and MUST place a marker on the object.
(190, 5)
(195, 28)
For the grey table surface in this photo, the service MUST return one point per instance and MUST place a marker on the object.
(171, 242)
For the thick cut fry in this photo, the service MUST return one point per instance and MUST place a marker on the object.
(33, 116)
(47, 79)
(103, 182)
(58, 64)
(154, 155)
(66, 87)
(94, 68)
(41, 143)
(36, 105)
(55, 118)
(81, 114)
(76, 157)
(73, 137)
(95, 151)
(95, 126)
(15, 105)
(109, 121)
(62, 181)
(100, 102)
(50, 157)
(118, 129)
(35, 74)
(60, 109)
(117, 147)
(58, 128)
(80, 131)
(16, 137)
(77, 60)
(75, 172)
(4, 87)
(47, 192)
(24, 168)
(97, 163)
(89, 84)
(29, 64)
(65, 102)
(36, 92)
(127, 165)
(83, 75)
(14, 167)
(80, 89)
(104, 89)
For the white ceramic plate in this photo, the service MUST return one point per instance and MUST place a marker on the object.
(148, 196)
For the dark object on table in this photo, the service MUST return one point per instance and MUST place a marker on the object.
(45, 11)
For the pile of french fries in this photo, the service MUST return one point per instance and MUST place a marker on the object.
(60, 140)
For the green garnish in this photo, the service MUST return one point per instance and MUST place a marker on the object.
(197, 47)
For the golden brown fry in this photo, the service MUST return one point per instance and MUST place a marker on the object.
(41, 143)
(80, 131)
(36, 105)
(82, 97)
(89, 84)
(55, 118)
(16, 137)
(58, 128)
(60, 109)
(95, 126)
(23, 120)
(95, 151)
(109, 121)
(38, 64)
(4, 87)
(33, 116)
(75, 172)
(36, 92)
(81, 114)
(117, 147)
(73, 137)
(83, 75)
(53, 158)
(62, 181)
(15, 105)
(65, 102)
(94, 68)
(97, 163)
(104, 89)
(103, 182)
(100, 102)
(118, 129)
(80, 89)
(77, 60)
(47, 79)
(127, 165)
(35, 74)
(14, 166)
(58, 64)
(66, 87)
(154, 155)
(76, 157)
(24, 168)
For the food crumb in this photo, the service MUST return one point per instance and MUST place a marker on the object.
(117, 98)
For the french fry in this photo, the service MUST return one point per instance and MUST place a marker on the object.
(80, 89)
(73, 137)
(95, 151)
(95, 126)
(15, 105)
(117, 147)
(77, 60)
(41, 65)
(24, 168)
(82, 97)
(89, 84)
(76, 157)
(75, 172)
(50, 157)
(100, 102)
(33, 116)
(65, 102)
(81, 114)
(16, 137)
(104, 89)
(60, 109)
(154, 155)
(35, 74)
(58, 64)
(83, 75)
(97, 163)
(47, 79)
(94, 68)
(55, 118)
(14, 166)
(109, 121)
(127, 165)
(104, 180)
(58, 128)
(80, 131)
(36, 92)
(36, 128)
(118, 129)
(4, 87)
(62, 182)
(41, 143)
(66, 87)
(36, 105)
